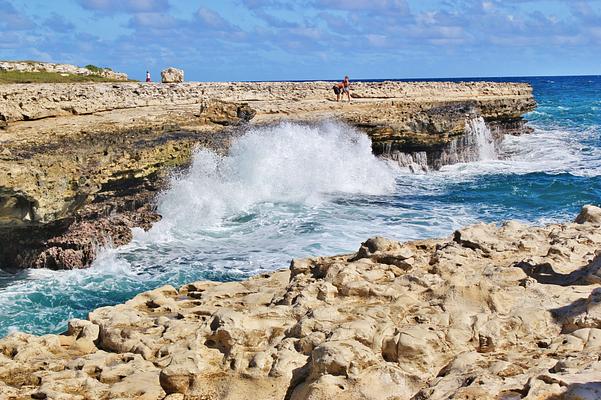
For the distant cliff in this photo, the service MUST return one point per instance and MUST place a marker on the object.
(36, 66)
(80, 163)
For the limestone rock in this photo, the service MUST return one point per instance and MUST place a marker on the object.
(489, 313)
(172, 75)
(63, 69)
(225, 113)
(181, 372)
(589, 214)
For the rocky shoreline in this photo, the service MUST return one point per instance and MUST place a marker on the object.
(492, 312)
(80, 162)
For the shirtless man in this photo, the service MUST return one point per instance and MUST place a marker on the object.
(346, 85)
(342, 88)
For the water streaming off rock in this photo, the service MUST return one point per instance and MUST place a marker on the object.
(477, 144)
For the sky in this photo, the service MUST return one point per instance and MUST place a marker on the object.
(232, 40)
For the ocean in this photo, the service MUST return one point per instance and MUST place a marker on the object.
(297, 191)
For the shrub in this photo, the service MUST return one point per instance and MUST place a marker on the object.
(93, 68)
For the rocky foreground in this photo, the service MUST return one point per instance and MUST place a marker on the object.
(510, 312)
(80, 163)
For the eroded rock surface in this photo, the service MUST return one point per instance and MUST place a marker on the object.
(172, 75)
(67, 147)
(509, 312)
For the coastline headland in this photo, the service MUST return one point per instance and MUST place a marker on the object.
(81, 163)
(492, 312)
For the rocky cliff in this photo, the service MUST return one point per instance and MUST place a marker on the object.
(509, 312)
(36, 66)
(79, 163)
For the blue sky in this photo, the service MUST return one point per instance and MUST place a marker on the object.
(309, 39)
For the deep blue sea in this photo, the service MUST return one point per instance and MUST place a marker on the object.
(297, 191)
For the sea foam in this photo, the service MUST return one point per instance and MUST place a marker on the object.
(286, 163)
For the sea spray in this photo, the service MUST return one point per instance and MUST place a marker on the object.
(286, 163)
(481, 137)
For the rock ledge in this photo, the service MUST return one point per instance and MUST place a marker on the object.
(509, 312)
(75, 155)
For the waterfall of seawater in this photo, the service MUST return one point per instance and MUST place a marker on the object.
(476, 144)
(481, 137)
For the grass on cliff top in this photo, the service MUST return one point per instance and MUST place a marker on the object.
(48, 77)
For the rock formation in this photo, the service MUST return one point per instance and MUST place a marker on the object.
(507, 312)
(172, 75)
(35, 66)
(79, 162)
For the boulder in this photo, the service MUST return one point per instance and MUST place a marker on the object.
(225, 113)
(181, 371)
(589, 214)
(172, 75)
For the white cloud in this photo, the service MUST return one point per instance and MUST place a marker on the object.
(125, 6)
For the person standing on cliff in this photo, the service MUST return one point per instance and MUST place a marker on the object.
(148, 76)
(342, 88)
(346, 87)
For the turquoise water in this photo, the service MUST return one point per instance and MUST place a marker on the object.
(296, 191)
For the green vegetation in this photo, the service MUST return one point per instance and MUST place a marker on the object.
(96, 69)
(47, 77)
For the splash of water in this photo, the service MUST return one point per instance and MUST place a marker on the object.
(480, 135)
(287, 163)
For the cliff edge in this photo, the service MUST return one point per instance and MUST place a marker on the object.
(507, 312)
(80, 163)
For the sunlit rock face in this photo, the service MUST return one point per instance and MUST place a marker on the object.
(36, 66)
(172, 75)
(491, 312)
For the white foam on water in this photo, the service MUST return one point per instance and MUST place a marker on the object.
(485, 143)
(553, 151)
(287, 163)
(476, 144)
